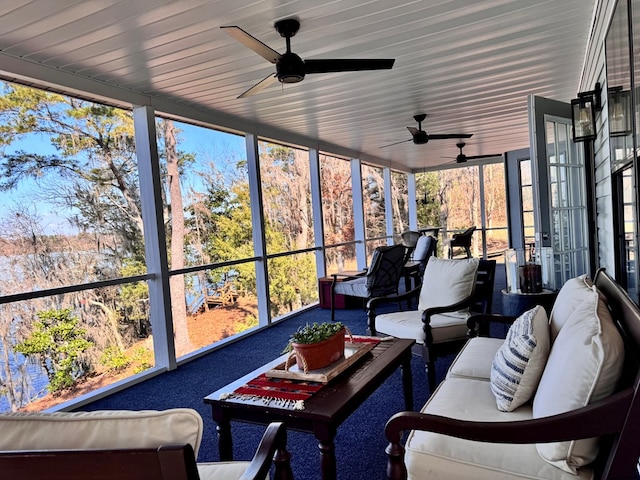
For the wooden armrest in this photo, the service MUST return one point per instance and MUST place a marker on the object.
(168, 461)
(272, 448)
(376, 301)
(601, 418)
(478, 323)
(454, 307)
(348, 275)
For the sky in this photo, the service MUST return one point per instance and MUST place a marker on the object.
(200, 141)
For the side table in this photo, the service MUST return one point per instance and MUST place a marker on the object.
(514, 303)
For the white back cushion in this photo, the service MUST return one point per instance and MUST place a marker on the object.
(447, 281)
(584, 365)
(100, 429)
(422, 248)
(519, 363)
(574, 293)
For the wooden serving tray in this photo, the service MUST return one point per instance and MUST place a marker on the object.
(353, 351)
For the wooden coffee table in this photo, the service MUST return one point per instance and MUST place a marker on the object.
(324, 411)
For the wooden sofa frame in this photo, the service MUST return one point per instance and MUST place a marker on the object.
(167, 462)
(615, 419)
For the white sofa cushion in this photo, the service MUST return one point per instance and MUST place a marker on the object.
(474, 360)
(100, 429)
(447, 281)
(222, 470)
(520, 361)
(576, 292)
(583, 367)
(409, 324)
(440, 457)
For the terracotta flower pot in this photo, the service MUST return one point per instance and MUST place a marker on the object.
(312, 356)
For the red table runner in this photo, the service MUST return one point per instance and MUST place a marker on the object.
(283, 392)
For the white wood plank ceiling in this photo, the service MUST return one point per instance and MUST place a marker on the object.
(468, 64)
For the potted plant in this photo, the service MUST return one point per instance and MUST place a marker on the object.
(317, 345)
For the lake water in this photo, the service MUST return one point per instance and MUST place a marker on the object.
(37, 375)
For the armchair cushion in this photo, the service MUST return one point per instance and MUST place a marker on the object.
(353, 288)
(100, 430)
(447, 282)
(408, 324)
(518, 365)
(584, 366)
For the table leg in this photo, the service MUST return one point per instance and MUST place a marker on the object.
(407, 382)
(326, 434)
(225, 444)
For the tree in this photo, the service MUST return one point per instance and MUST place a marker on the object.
(58, 343)
(178, 305)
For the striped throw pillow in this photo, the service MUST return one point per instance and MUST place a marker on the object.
(520, 361)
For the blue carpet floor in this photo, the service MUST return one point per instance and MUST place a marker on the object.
(360, 441)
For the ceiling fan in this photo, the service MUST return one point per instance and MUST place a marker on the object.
(290, 68)
(420, 137)
(462, 158)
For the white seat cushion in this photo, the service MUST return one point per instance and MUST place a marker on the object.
(100, 429)
(520, 361)
(222, 470)
(353, 288)
(474, 360)
(409, 324)
(584, 365)
(439, 457)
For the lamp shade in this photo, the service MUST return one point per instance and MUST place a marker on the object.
(583, 117)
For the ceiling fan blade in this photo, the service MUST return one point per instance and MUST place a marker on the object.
(261, 85)
(252, 43)
(396, 143)
(445, 136)
(413, 130)
(475, 157)
(346, 65)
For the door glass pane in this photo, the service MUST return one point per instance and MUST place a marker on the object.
(567, 203)
(526, 187)
(629, 232)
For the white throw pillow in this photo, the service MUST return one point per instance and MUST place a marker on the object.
(584, 365)
(447, 281)
(574, 293)
(519, 363)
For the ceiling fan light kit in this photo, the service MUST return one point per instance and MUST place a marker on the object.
(290, 68)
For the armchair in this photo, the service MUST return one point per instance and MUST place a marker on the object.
(462, 240)
(451, 290)
(410, 240)
(414, 268)
(123, 445)
(381, 279)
